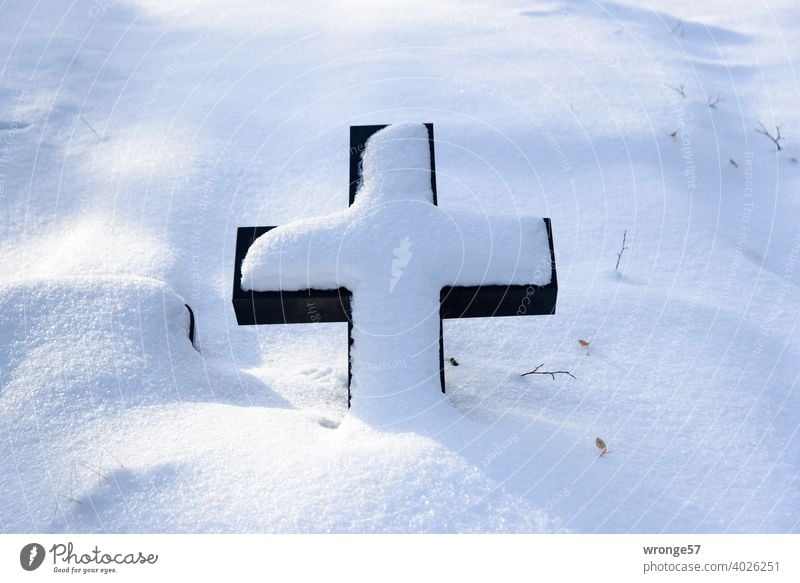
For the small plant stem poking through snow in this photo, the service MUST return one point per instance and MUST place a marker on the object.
(453, 361)
(713, 102)
(733, 162)
(94, 471)
(116, 459)
(601, 446)
(55, 513)
(622, 250)
(551, 373)
(94, 131)
(679, 90)
(776, 139)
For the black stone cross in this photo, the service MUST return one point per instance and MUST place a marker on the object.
(334, 305)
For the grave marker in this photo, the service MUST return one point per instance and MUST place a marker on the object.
(535, 295)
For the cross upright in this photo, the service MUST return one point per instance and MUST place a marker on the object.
(392, 266)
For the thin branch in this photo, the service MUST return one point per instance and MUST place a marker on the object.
(547, 372)
(733, 162)
(94, 131)
(776, 139)
(621, 251)
(713, 102)
(679, 90)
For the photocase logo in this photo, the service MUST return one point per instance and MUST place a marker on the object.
(31, 556)
(402, 255)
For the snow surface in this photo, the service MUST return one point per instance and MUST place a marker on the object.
(135, 136)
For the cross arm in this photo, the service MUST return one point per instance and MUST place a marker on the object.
(298, 256)
(501, 250)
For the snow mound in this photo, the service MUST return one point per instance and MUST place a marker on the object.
(76, 351)
(104, 399)
(73, 345)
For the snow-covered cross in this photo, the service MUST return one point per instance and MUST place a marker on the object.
(393, 265)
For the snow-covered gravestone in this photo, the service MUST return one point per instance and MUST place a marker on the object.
(393, 265)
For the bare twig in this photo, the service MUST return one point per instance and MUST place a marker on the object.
(733, 162)
(713, 102)
(621, 251)
(73, 500)
(679, 90)
(94, 131)
(547, 372)
(776, 139)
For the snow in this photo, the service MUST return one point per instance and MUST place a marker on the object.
(206, 117)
